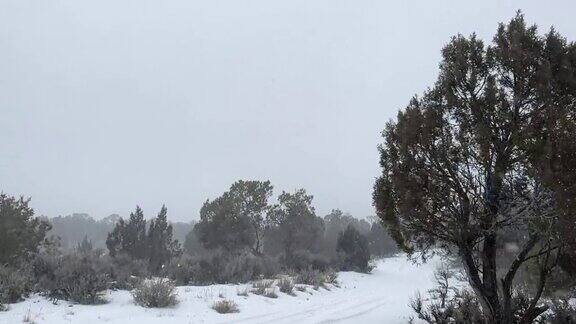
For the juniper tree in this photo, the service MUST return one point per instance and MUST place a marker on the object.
(129, 237)
(234, 221)
(85, 246)
(469, 160)
(354, 247)
(161, 245)
(21, 234)
(293, 223)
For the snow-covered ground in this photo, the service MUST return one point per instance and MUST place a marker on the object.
(380, 297)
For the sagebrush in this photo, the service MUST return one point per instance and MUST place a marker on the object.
(155, 293)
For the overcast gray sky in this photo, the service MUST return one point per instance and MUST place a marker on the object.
(106, 104)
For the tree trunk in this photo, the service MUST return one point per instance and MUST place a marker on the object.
(489, 278)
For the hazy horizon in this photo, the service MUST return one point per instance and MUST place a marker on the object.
(107, 105)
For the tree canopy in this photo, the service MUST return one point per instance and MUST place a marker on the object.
(478, 154)
(21, 234)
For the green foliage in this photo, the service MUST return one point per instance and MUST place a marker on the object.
(155, 293)
(293, 226)
(156, 246)
(354, 247)
(81, 278)
(335, 223)
(219, 267)
(126, 272)
(21, 234)
(234, 221)
(161, 246)
(129, 237)
(483, 152)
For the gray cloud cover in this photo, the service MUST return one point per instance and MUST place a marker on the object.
(108, 104)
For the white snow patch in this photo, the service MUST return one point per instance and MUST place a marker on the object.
(380, 297)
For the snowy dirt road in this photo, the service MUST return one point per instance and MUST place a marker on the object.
(380, 297)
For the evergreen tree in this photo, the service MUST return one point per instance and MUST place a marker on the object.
(21, 234)
(85, 246)
(161, 245)
(354, 247)
(129, 237)
(293, 223)
(380, 242)
(234, 221)
(471, 160)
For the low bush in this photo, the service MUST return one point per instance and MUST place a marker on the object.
(310, 277)
(242, 292)
(126, 272)
(79, 278)
(184, 270)
(221, 268)
(304, 259)
(225, 306)
(155, 293)
(15, 284)
(461, 308)
(331, 277)
(447, 304)
(260, 287)
(286, 285)
(271, 293)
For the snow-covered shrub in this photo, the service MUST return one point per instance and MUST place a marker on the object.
(225, 306)
(242, 292)
(561, 312)
(286, 285)
(79, 278)
(464, 307)
(310, 277)
(260, 287)
(331, 277)
(447, 304)
(271, 293)
(155, 293)
(15, 284)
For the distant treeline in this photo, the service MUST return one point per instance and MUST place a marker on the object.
(73, 229)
